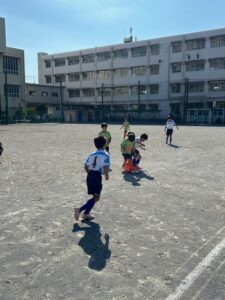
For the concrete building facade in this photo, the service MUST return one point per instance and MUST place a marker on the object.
(50, 96)
(147, 79)
(12, 78)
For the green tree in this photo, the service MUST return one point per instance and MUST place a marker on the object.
(31, 114)
(41, 110)
(19, 115)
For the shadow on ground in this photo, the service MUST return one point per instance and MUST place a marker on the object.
(174, 146)
(136, 178)
(92, 244)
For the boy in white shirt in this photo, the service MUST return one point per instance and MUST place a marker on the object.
(169, 128)
(95, 165)
(138, 144)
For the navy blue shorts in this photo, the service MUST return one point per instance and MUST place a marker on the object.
(94, 183)
(169, 132)
(127, 156)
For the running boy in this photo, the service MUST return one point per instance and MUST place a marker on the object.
(127, 148)
(106, 134)
(169, 128)
(1, 149)
(126, 127)
(97, 163)
(139, 143)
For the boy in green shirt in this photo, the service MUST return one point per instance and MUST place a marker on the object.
(127, 149)
(106, 134)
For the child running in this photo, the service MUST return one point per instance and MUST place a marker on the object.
(126, 127)
(139, 143)
(169, 128)
(127, 148)
(1, 149)
(106, 134)
(95, 165)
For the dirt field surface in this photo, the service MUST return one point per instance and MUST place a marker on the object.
(156, 235)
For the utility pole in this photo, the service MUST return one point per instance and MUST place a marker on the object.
(139, 100)
(61, 102)
(6, 99)
(186, 95)
(102, 117)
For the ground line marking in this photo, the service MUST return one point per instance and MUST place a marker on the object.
(191, 277)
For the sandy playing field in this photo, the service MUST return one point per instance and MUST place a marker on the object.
(157, 235)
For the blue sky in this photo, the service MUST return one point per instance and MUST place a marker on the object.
(54, 26)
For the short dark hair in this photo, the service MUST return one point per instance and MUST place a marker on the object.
(99, 142)
(144, 136)
(131, 136)
(104, 125)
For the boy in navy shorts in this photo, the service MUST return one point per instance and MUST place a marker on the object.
(96, 164)
(169, 128)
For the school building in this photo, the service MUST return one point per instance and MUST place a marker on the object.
(49, 96)
(12, 79)
(143, 80)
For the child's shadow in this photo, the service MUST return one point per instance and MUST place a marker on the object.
(136, 178)
(174, 146)
(92, 244)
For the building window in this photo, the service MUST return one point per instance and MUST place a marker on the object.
(89, 58)
(60, 78)
(104, 56)
(48, 63)
(10, 65)
(195, 65)
(104, 75)
(12, 90)
(120, 73)
(55, 94)
(88, 75)
(48, 79)
(175, 108)
(122, 53)
(73, 60)
(139, 51)
(217, 63)
(176, 46)
(154, 49)
(44, 94)
(74, 93)
(121, 91)
(217, 85)
(135, 91)
(217, 41)
(196, 87)
(153, 106)
(154, 89)
(195, 44)
(154, 69)
(106, 92)
(176, 67)
(175, 88)
(32, 93)
(73, 77)
(60, 62)
(195, 105)
(138, 71)
(89, 92)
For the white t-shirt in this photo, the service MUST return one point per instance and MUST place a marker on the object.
(137, 143)
(170, 124)
(97, 160)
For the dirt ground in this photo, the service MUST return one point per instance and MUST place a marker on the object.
(151, 229)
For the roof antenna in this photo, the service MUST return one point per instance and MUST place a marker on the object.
(131, 31)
